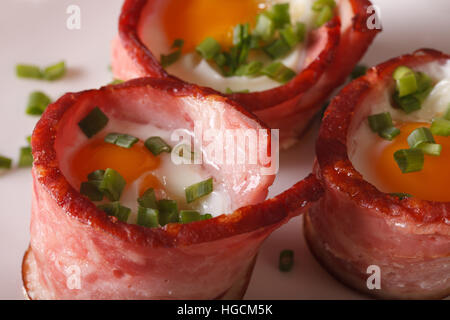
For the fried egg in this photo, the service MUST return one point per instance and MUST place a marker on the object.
(195, 20)
(373, 156)
(143, 170)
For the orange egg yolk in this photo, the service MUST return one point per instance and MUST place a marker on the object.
(431, 183)
(131, 163)
(195, 20)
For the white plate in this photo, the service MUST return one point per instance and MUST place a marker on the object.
(34, 31)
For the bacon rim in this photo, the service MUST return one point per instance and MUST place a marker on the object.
(254, 101)
(243, 220)
(333, 162)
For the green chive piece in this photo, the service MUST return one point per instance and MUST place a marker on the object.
(96, 176)
(121, 140)
(289, 36)
(424, 86)
(116, 209)
(208, 48)
(408, 103)
(112, 184)
(168, 211)
(116, 81)
(55, 71)
(358, 71)
(409, 160)
(28, 71)
(156, 145)
(5, 163)
(389, 133)
(401, 195)
(278, 72)
(188, 216)
(230, 91)
(37, 103)
(25, 157)
(432, 149)
(93, 123)
(279, 14)
(380, 121)
(148, 199)
(277, 49)
(300, 31)
(250, 69)
(29, 140)
(206, 216)
(90, 190)
(199, 190)
(241, 34)
(286, 261)
(148, 217)
(167, 60)
(318, 5)
(419, 136)
(406, 81)
(325, 15)
(440, 127)
(447, 114)
(264, 28)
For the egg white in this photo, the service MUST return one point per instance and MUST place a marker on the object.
(190, 67)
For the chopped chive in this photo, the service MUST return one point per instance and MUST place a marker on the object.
(169, 59)
(156, 145)
(55, 71)
(432, 149)
(206, 216)
(419, 136)
(168, 211)
(278, 72)
(97, 175)
(409, 160)
(424, 85)
(389, 133)
(112, 184)
(116, 81)
(28, 71)
(325, 15)
(25, 157)
(93, 123)
(178, 44)
(358, 71)
(279, 14)
(264, 28)
(116, 209)
(230, 91)
(406, 81)
(199, 190)
(289, 36)
(208, 48)
(408, 103)
(440, 127)
(90, 190)
(300, 31)
(447, 114)
(318, 5)
(148, 217)
(240, 34)
(187, 216)
(5, 163)
(29, 140)
(277, 49)
(148, 199)
(380, 121)
(286, 260)
(250, 69)
(37, 103)
(401, 195)
(121, 140)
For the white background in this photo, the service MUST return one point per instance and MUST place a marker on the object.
(34, 31)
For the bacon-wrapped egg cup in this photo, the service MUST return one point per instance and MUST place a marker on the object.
(114, 217)
(383, 161)
(279, 59)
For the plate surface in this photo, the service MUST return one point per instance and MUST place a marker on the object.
(34, 31)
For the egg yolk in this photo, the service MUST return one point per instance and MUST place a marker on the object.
(431, 183)
(131, 163)
(195, 20)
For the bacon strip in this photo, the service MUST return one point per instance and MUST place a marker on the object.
(78, 252)
(332, 52)
(355, 225)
